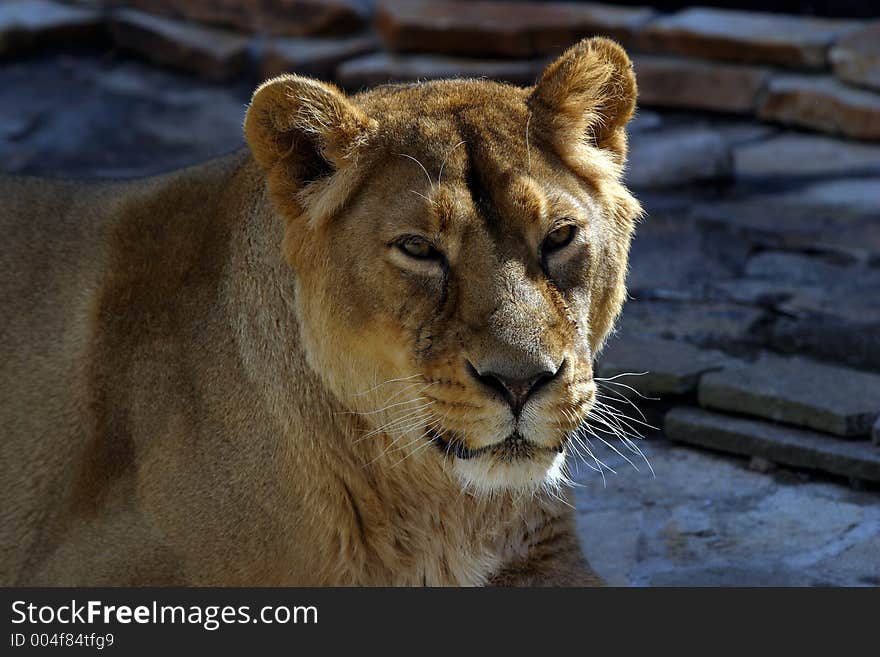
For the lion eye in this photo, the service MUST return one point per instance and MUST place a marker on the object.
(419, 248)
(559, 238)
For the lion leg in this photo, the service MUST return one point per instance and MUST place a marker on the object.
(107, 550)
(556, 560)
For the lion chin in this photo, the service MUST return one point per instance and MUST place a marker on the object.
(514, 463)
(486, 474)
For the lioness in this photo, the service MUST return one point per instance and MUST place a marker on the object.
(353, 354)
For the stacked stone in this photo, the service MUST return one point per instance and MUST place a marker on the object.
(789, 411)
(820, 74)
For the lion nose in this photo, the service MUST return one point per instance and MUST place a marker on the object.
(515, 390)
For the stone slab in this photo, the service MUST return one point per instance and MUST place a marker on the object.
(679, 156)
(793, 154)
(283, 17)
(749, 37)
(835, 400)
(697, 84)
(508, 29)
(785, 445)
(827, 337)
(817, 285)
(828, 217)
(856, 57)
(669, 367)
(822, 103)
(705, 519)
(26, 24)
(315, 57)
(212, 53)
(122, 117)
(382, 68)
(701, 255)
(705, 323)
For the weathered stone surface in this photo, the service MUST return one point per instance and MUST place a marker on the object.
(818, 306)
(701, 255)
(705, 519)
(856, 57)
(670, 367)
(746, 36)
(511, 29)
(822, 103)
(287, 17)
(28, 23)
(669, 158)
(794, 447)
(795, 154)
(209, 52)
(314, 17)
(835, 400)
(855, 194)
(313, 57)
(816, 285)
(697, 84)
(710, 324)
(382, 68)
(121, 118)
(838, 216)
(827, 337)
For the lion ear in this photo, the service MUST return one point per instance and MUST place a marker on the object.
(588, 94)
(300, 130)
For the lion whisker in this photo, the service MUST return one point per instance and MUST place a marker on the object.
(427, 175)
(385, 383)
(443, 163)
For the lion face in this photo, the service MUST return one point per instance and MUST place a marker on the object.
(460, 251)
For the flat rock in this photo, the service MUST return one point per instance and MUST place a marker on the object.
(697, 84)
(827, 337)
(817, 285)
(794, 154)
(706, 323)
(210, 52)
(314, 17)
(509, 29)
(382, 68)
(701, 254)
(670, 367)
(780, 444)
(680, 156)
(315, 57)
(822, 103)
(707, 519)
(749, 37)
(856, 57)
(803, 302)
(25, 24)
(122, 117)
(797, 391)
(834, 217)
(284, 17)
(857, 194)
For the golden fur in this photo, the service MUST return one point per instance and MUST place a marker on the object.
(237, 374)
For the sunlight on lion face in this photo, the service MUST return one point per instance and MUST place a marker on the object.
(463, 263)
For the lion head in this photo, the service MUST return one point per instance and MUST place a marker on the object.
(459, 250)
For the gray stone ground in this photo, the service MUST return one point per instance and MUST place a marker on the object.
(708, 520)
(784, 258)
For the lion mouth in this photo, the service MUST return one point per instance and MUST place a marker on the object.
(513, 448)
